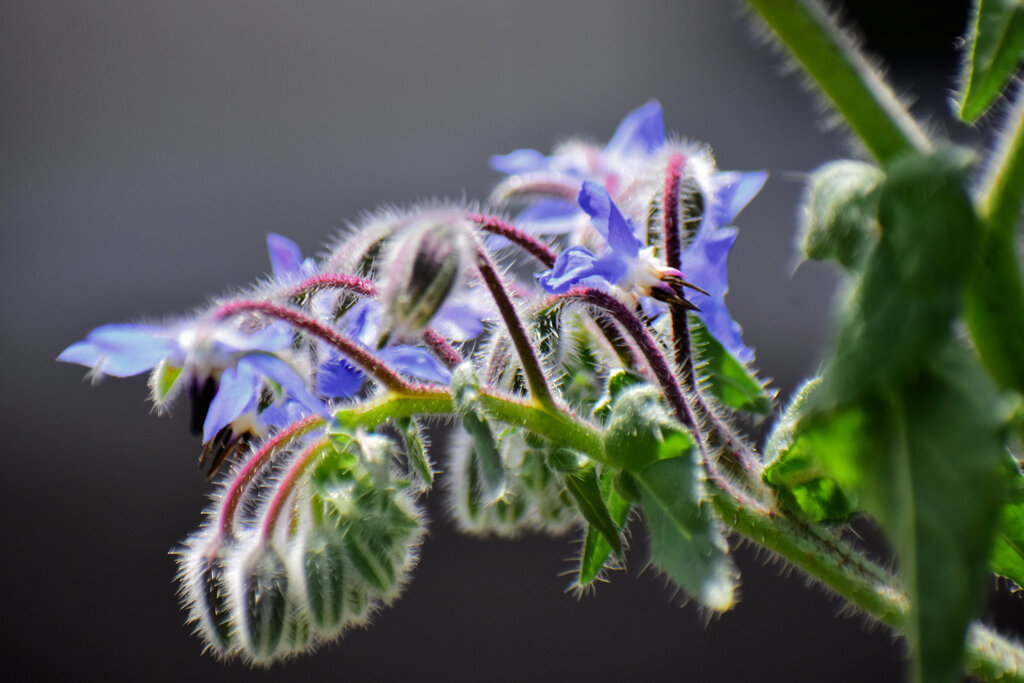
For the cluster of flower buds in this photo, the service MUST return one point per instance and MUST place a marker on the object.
(308, 537)
(301, 386)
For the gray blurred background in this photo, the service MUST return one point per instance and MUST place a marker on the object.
(146, 148)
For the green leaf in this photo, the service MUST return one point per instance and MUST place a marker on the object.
(585, 489)
(687, 540)
(415, 451)
(901, 312)
(797, 475)
(996, 38)
(1007, 557)
(728, 379)
(596, 548)
(927, 458)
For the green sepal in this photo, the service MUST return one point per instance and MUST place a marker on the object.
(585, 488)
(839, 213)
(163, 381)
(687, 540)
(415, 451)
(995, 37)
(729, 380)
(596, 548)
(465, 389)
(797, 475)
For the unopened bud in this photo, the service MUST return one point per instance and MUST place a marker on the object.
(264, 601)
(425, 262)
(326, 570)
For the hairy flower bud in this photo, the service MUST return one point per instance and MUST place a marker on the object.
(326, 570)
(425, 262)
(263, 603)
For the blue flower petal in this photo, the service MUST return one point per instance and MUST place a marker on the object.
(704, 264)
(578, 266)
(640, 133)
(733, 191)
(415, 361)
(282, 373)
(273, 337)
(237, 393)
(608, 220)
(285, 255)
(520, 161)
(459, 321)
(121, 350)
(339, 378)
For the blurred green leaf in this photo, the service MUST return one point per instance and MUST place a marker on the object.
(996, 45)
(635, 427)
(901, 311)
(728, 379)
(797, 475)
(927, 458)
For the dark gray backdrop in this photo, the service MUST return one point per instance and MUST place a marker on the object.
(146, 148)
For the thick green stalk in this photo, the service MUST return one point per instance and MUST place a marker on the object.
(856, 89)
(995, 295)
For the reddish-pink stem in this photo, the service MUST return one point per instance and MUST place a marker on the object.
(287, 485)
(441, 348)
(356, 353)
(232, 499)
(535, 247)
(349, 283)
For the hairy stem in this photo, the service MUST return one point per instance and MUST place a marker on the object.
(534, 247)
(353, 351)
(831, 59)
(532, 369)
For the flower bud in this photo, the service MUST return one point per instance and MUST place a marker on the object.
(263, 601)
(203, 573)
(425, 263)
(839, 212)
(326, 570)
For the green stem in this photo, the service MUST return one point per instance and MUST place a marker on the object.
(838, 566)
(831, 59)
(1001, 192)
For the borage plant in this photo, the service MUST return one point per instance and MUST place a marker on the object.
(601, 381)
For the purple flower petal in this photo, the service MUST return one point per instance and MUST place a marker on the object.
(608, 220)
(640, 133)
(520, 161)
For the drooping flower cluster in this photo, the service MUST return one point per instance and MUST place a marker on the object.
(307, 390)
